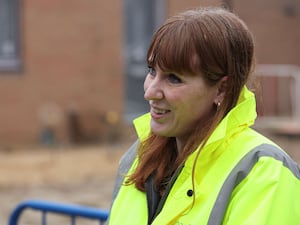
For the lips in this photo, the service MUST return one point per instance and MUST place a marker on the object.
(158, 113)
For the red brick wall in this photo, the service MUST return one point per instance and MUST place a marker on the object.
(276, 34)
(175, 6)
(72, 52)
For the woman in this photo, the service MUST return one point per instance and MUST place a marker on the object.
(197, 161)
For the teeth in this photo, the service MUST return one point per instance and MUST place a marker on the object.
(160, 111)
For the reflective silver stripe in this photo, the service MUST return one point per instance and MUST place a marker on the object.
(124, 166)
(241, 170)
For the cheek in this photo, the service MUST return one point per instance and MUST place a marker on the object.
(198, 106)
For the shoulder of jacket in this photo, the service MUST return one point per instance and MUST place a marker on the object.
(128, 157)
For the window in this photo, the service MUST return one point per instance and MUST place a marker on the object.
(9, 35)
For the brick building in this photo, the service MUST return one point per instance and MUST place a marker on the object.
(71, 74)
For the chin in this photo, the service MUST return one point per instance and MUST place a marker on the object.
(161, 130)
(162, 133)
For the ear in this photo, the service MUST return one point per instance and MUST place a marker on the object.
(221, 90)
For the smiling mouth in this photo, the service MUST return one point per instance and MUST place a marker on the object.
(160, 111)
(158, 114)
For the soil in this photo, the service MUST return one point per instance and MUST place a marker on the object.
(81, 175)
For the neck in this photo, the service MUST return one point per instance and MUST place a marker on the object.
(180, 143)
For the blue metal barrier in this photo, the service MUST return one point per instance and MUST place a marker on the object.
(70, 210)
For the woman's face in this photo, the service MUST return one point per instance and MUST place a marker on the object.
(177, 102)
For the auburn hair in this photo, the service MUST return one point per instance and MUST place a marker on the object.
(213, 43)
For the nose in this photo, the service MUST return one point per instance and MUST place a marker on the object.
(153, 88)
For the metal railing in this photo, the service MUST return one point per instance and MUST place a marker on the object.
(278, 99)
(71, 210)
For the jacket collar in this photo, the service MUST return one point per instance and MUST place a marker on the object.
(241, 116)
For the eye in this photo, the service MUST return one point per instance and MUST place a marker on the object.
(151, 71)
(173, 78)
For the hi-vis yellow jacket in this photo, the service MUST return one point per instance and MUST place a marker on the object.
(241, 178)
